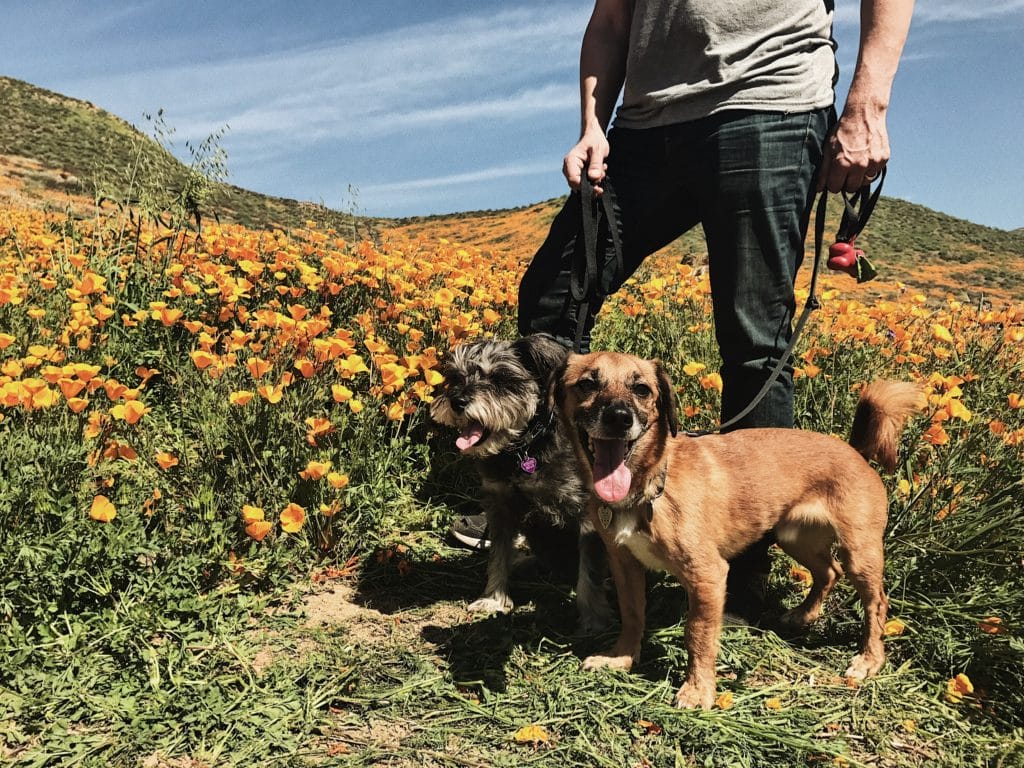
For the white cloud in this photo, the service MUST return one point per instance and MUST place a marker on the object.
(960, 10)
(457, 179)
(473, 67)
(941, 11)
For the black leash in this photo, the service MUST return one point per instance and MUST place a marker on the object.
(585, 282)
(588, 291)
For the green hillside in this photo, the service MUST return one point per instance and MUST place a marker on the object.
(80, 148)
(85, 150)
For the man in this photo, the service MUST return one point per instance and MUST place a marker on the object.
(726, 120)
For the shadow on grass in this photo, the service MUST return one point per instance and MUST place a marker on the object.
(476, 647)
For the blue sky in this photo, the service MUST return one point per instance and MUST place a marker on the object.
(431, 107)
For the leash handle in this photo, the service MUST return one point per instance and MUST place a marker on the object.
(585, 283)
(857, 209)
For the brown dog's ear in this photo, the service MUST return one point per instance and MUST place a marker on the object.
(556, 386)
(667, 396)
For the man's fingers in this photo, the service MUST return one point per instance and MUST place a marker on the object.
(588, 159)
(836, 177)
(572, 169)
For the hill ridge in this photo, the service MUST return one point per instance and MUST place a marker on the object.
(54, 145)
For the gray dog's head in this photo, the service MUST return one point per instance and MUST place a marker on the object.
(492, 390)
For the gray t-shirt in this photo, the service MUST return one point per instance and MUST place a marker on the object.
(692, 58)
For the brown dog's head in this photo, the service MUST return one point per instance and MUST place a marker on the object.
(619, 411)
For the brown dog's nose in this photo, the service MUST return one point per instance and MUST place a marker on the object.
(617, 416)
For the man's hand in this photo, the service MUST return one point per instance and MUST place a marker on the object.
(602, 70)
(856, 152)
(589, 155)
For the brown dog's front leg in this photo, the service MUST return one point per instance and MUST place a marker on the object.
(631, 588)
(706, 597)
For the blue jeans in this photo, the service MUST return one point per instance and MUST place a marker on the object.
(748, 178)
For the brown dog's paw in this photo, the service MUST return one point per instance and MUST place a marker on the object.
(693, 696)
(796, 619)
(610, 662)
(862, 666)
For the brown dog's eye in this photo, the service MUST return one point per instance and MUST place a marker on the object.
(641, 390)
(586, 386)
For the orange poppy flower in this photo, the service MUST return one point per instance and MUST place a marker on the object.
(203, 359)
(315, 470)
(102, 509)
(338, 480)
(240, 397)
(258, 367)
(70, 387)
(293, 517)
(130, 411)
(317, 427)
(271, 394)
(250, 513)
(166, 460)
(77, 404)
(258, 529)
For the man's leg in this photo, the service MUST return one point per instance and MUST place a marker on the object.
(652, 212)
(759, 171)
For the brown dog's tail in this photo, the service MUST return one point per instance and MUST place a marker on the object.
(883, 409)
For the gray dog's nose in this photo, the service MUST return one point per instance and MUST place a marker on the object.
(617, 416)
(459, 403)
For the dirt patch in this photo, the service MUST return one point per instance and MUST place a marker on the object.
(333, 605)
(157, 760)
(262, 661)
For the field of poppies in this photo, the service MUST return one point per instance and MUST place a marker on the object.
(201, 432)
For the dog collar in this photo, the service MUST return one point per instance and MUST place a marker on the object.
(605, 512)
(537, 428)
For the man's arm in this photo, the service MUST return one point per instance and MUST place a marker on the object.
(602, 71)
(859, 148)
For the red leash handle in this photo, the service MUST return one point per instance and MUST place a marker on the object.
(844, 255)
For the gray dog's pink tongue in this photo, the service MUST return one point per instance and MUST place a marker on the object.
(470, 436)
(611, 475)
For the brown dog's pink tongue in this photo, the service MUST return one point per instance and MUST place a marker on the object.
(611, 475)
(470, 436)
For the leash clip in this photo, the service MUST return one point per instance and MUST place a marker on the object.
(843, 254)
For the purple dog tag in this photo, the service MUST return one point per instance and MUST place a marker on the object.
(528, 465)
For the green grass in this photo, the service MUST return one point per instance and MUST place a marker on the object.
(172, 640)
(168, 637)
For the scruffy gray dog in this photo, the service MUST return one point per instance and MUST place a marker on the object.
(495, 395)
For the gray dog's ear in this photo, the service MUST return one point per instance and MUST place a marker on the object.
(667, 396)
(541, 354)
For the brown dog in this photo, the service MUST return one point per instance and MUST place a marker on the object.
(688, 504)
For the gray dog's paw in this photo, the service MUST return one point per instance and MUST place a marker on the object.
(499, 604)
